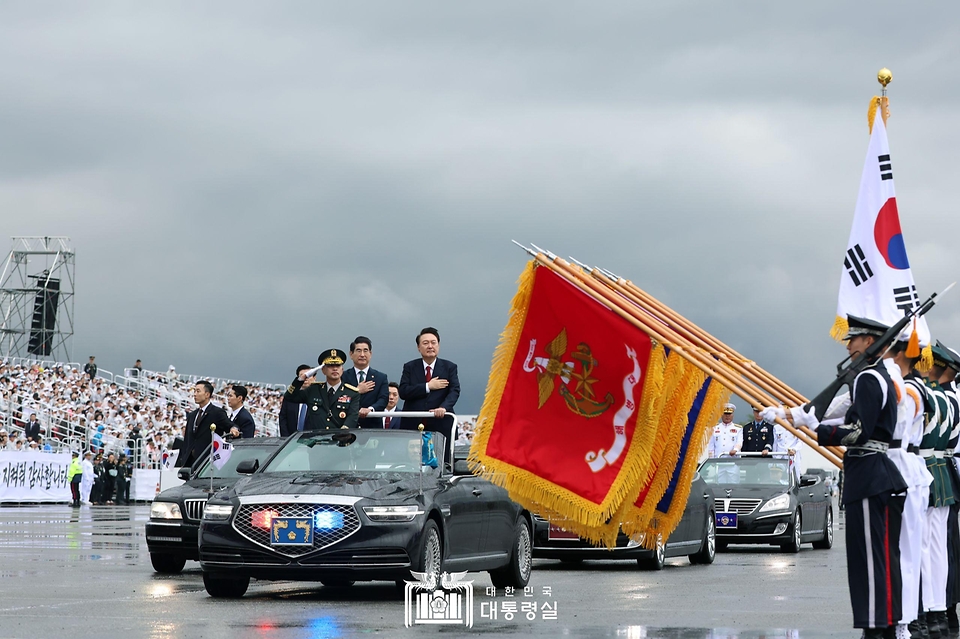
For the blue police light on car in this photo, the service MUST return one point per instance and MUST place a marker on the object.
(328, 520)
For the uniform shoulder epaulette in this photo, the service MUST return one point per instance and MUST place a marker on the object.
(353, 388)
(291, 388)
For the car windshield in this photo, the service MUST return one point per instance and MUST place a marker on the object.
(357, 450)
(237, 455)
(752, 472)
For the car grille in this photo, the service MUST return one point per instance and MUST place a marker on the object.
(739, 506)
(193, 509)
(321, 538)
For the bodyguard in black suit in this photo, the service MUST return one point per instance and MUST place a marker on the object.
(292, 415)
(243, 424)
(197, 435)
(429, 384)
(371, 383)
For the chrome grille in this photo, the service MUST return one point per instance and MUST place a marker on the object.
(193, 509)
(321, 538)
(739, 506)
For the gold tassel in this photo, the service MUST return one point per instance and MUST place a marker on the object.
(839, 329)
(926, 360)
(872, 112)
(913, 346)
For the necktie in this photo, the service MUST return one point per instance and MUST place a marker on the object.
(301, 416)
(386, 422)
(361, 376)
(330, 394)
(196, 422)
(428, 374)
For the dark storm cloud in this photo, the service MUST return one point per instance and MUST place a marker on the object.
(248, 183)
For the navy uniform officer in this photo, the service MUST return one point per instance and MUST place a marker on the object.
(757, 435)
(330, 404)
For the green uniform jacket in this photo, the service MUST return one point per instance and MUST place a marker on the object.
(936, 436)
(322, 413)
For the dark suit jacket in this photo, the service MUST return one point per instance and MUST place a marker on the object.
(197, 437)
(413, 392)
(31, 431)
(394, 422)
(374, 400)
(245, 424)
(289, 413)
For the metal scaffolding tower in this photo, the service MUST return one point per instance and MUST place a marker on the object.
(36, 299)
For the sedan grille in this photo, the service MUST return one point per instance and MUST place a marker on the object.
(193, 509)
(739, 506)
(322, 538)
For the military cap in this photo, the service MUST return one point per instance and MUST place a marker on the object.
(863, 326)
(954, 355)
(332, 357)
(728, 409)
(943, 357)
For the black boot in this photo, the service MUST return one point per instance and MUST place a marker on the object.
(944, 624)
(924, 628)
(933, 624)
(873, 633)
(914, 628)
(952, 622)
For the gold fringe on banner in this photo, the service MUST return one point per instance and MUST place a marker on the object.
(839, 328)
(872, 112)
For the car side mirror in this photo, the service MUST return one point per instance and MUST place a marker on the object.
(183, 473)
(248, 466)
(461, 467)
(808, 480)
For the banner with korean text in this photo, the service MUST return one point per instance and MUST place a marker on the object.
(34, 476)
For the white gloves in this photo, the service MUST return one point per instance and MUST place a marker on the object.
(801, 418)
(771, 413)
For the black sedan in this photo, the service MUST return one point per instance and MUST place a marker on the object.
(356, 505)
(760, 501)
(175, 513)
(695, 537)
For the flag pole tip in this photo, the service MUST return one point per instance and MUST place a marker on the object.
(884, 77)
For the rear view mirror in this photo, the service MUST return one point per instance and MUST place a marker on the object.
(183, 473)
(461, 467)
(808, 480)
(248, 466)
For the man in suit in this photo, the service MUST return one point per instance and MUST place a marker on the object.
(330, 404)
(430, 384)
(197, 435)
(293, 415)
(371, 383)
(31, 431)
(393, 397)
(243, 424)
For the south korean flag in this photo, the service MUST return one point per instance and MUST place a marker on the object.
(219, 451)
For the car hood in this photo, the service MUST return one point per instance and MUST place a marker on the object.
(196, 489)
(748, 492)
(390, 486)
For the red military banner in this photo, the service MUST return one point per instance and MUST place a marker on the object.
(569, 422)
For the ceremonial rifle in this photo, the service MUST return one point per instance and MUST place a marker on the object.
(847, 371)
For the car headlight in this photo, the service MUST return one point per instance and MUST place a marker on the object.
(165, 510)
(217, 512)
(392, 513)
(780, 502)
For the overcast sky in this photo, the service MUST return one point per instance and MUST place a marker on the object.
(247, 184)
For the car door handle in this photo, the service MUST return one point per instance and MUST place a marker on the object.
(706, 496)
(477, 492)
(811, 494)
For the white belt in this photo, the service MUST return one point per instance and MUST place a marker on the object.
(949, 452)
(938, 454)
(926, 452)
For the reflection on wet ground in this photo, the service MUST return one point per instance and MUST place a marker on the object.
(73, 572)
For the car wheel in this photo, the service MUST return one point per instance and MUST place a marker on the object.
(516, 574)
(708, 547)
(826, 542)
(794, 544)
(225, 587)
(166, 563)
(430, 562)
(334, 582)
(656, 561)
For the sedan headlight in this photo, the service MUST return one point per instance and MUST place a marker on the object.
(217, 512)
(780, 502)
(165, 510)
(392, 513)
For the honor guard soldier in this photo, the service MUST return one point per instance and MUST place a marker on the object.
(757, 435)
(331, 403)
(949, 383)
(873, 487)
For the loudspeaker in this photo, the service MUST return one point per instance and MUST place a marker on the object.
(44, 316)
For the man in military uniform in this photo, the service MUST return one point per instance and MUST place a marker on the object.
(330, 404)
(757, 435)
(949, 384)
(726, 442)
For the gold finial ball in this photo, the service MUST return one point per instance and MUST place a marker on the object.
(213, 428)
(420, 428)
(884, 77)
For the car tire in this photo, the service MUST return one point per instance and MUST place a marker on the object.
(167, 563)
(656, 561)
(430, 559)
(225, 587)
(794, 544)
(826, 542)
(334, 582)
(516, 574)
(708, 547)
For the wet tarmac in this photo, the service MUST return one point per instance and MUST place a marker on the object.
(77, 573)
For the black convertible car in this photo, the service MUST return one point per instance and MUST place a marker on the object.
(175, 513)
(695, 537)
(353, 505)
(760, 501)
